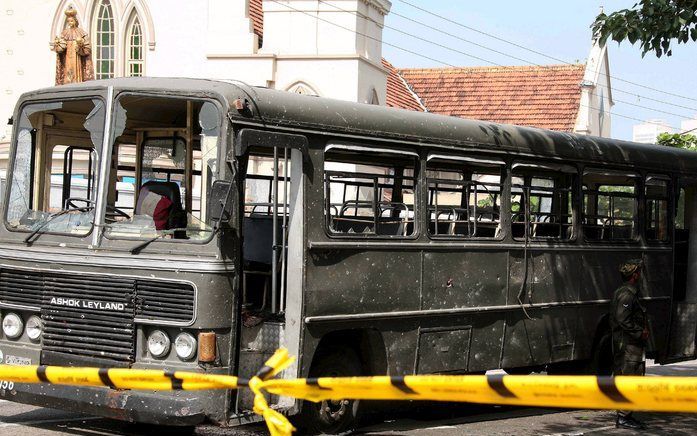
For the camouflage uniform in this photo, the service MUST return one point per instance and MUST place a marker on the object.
(628, 321)
(629, 333)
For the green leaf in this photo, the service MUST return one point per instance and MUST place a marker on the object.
(633, 36)
(686, 16)
(693, 33)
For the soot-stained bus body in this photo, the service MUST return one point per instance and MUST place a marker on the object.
(198, 225)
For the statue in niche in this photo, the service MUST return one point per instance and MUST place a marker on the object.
(73, 52)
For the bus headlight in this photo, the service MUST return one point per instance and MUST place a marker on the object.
(12, 325)
(185, 345)
(158, 343)
(34, 327)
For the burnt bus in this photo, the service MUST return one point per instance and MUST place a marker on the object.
(199, 225)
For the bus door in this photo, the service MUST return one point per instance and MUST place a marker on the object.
(684, 315)
(272, 251)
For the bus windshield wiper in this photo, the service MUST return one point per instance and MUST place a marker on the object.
(39, 230)
(138, 248)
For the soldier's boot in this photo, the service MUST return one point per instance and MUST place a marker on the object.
(628, 421)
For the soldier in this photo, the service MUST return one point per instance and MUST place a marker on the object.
(629, 332)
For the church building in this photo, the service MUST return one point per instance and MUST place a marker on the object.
(329, 48)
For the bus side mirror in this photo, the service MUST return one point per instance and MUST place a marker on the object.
(220, 201)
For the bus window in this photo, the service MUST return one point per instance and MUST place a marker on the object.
(369, 193)
(258, 193)
(72, 170)
(165, 162)
(55, 167)
(125, 159)
(609, 206)
(657, 209)
(542, 202)
(464, 198)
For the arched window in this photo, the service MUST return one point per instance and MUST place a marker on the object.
(302, 89)
(374, 99)
(134, 48)
(104, 40)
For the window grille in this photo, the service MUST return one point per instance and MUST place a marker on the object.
(464, 199)
(609, 206)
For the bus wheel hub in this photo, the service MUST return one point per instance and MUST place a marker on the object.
(334, 410)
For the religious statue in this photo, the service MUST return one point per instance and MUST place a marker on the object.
(73, 53)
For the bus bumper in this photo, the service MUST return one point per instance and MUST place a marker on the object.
(178, 408)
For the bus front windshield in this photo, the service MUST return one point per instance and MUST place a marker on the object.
(54, 173)
(163, 163)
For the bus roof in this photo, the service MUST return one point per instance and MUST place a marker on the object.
(290, 111)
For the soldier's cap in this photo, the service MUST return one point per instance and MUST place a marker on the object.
(631, 266)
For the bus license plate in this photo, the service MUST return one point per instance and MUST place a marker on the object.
(12, 360)
(16, 360)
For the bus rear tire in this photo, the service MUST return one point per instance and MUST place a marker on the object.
(332, 417)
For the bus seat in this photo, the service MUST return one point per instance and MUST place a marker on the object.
(486, 230)
(518, 230)
(622, 232)
(444, 227)
(546, 230)
(410, 228)
(593, 232)
(352, 225)
(390, 226)
(257, 248)
(162, 202)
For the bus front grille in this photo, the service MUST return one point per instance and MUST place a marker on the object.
(90, 317)
(94, 316)
(21, 288)
(163, 301)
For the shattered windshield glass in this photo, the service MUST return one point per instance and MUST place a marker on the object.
(54, 174)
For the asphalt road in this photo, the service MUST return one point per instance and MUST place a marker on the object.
(412, 419)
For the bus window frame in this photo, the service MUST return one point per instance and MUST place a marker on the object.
(475, 161)
(98, 148)
(221, 153)
(354, 147)
(548, 167)
(670, 219)
(639, 203)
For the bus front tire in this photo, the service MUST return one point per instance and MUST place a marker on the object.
(332, 417)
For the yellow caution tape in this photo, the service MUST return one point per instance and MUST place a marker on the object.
(661, 394)
(150, 379)
(119, 378)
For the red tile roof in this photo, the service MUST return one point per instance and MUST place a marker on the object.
(256, 14)
(540, 96)
(398, 93)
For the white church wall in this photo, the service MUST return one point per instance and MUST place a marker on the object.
(26, 62)
(302, 31)
(253, 70)
(181, 39)
(230, 31)
(372, 26)
(208, 39)
(322, 75)
(372, 80)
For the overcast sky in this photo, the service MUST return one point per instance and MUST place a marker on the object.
(560, 29)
